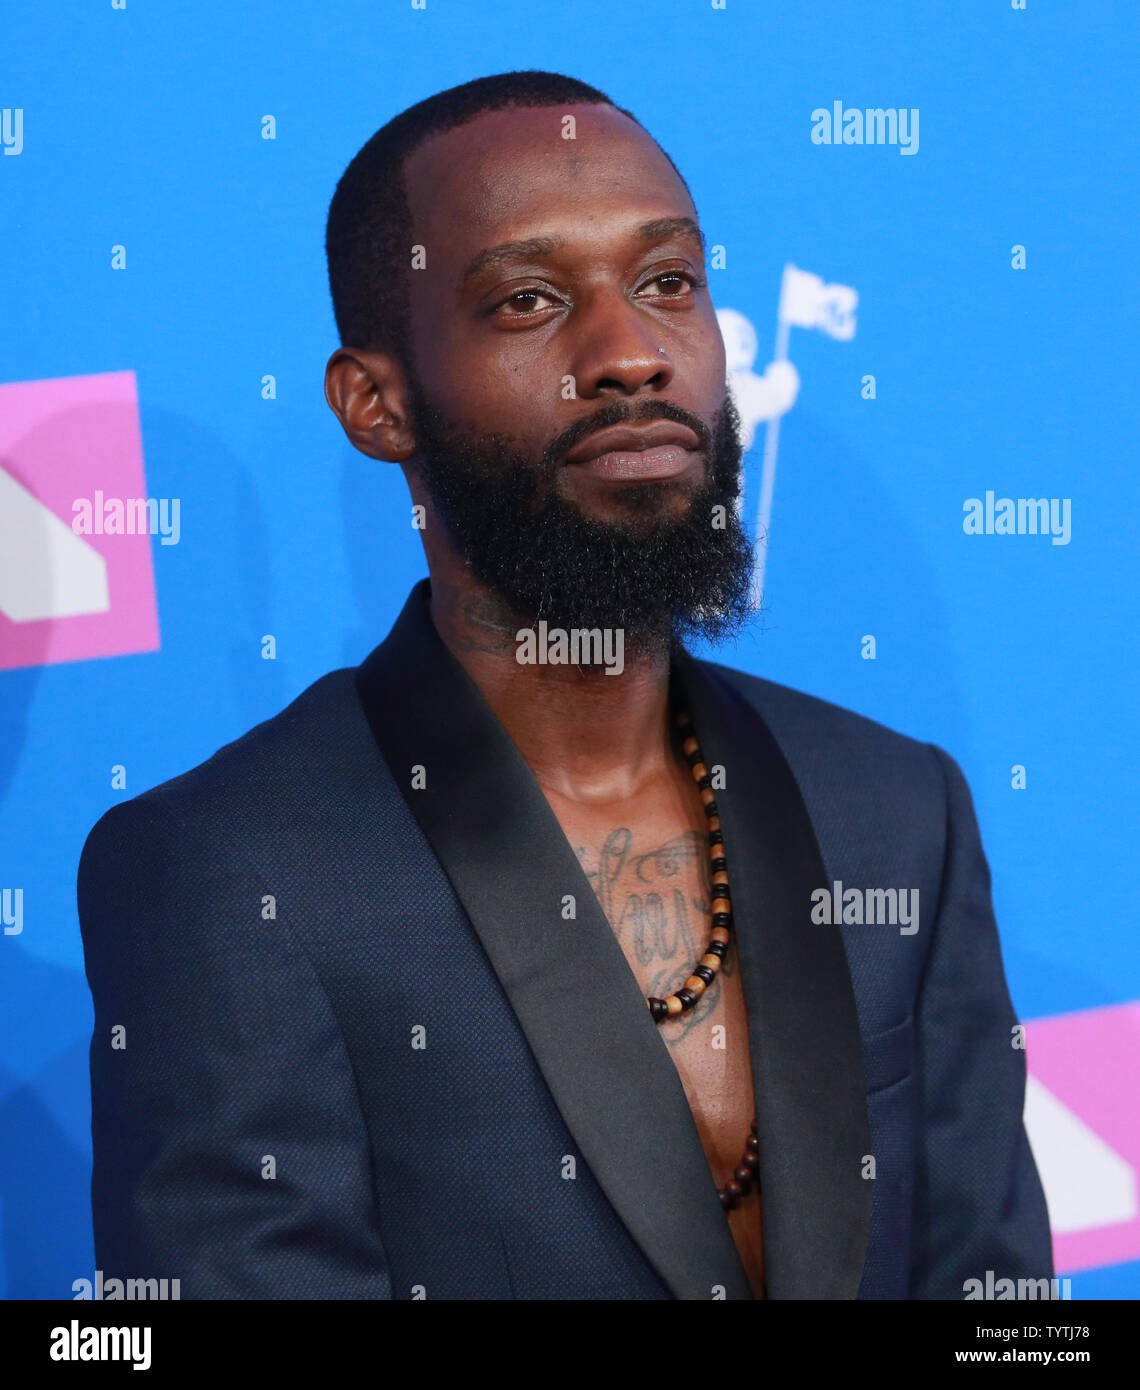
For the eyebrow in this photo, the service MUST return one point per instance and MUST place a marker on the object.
(660, 229)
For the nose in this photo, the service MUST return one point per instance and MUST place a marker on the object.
(618, 349)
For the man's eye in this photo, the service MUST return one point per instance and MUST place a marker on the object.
(676, 280)
(522, 302)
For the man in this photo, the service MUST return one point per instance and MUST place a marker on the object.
(468, 974)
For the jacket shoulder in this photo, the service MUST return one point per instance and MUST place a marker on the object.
(846, 762)
(802, 716)
(302, 754)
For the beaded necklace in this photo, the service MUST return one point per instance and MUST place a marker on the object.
(705, 971)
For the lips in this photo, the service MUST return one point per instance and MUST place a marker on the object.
(632, 439)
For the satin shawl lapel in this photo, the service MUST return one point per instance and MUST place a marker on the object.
(579, 1005)
(803, 1027)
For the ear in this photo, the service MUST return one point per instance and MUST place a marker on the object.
(367, 392)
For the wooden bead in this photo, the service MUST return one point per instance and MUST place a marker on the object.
(720, 938)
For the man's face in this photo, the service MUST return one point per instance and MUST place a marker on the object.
(564, 295)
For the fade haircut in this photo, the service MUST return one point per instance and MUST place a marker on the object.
(368, 237)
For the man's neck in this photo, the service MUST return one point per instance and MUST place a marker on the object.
(589, 736)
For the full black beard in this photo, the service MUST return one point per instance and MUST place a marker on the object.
(655, 577)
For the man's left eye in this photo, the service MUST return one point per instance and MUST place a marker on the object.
(677, 280)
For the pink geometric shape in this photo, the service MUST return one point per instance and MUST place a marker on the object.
(1091, 1062)
(64, 439)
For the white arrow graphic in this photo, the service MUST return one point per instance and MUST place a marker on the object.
(1086, 1182)
(46, 571)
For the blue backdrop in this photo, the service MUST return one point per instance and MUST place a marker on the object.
(996, 370)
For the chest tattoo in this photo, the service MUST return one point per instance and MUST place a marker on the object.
(657, 902)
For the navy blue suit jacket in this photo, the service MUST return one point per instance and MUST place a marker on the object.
(362, 1042)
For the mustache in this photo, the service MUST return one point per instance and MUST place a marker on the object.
(619, 413)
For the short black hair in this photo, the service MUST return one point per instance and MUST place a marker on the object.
(368, 237)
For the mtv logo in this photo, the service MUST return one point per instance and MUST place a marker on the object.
(1084, 1129)
(68, 597)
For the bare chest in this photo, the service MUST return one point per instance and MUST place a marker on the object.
(656, 897)
(652, 880)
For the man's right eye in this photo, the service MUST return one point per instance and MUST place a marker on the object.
(522, 302)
